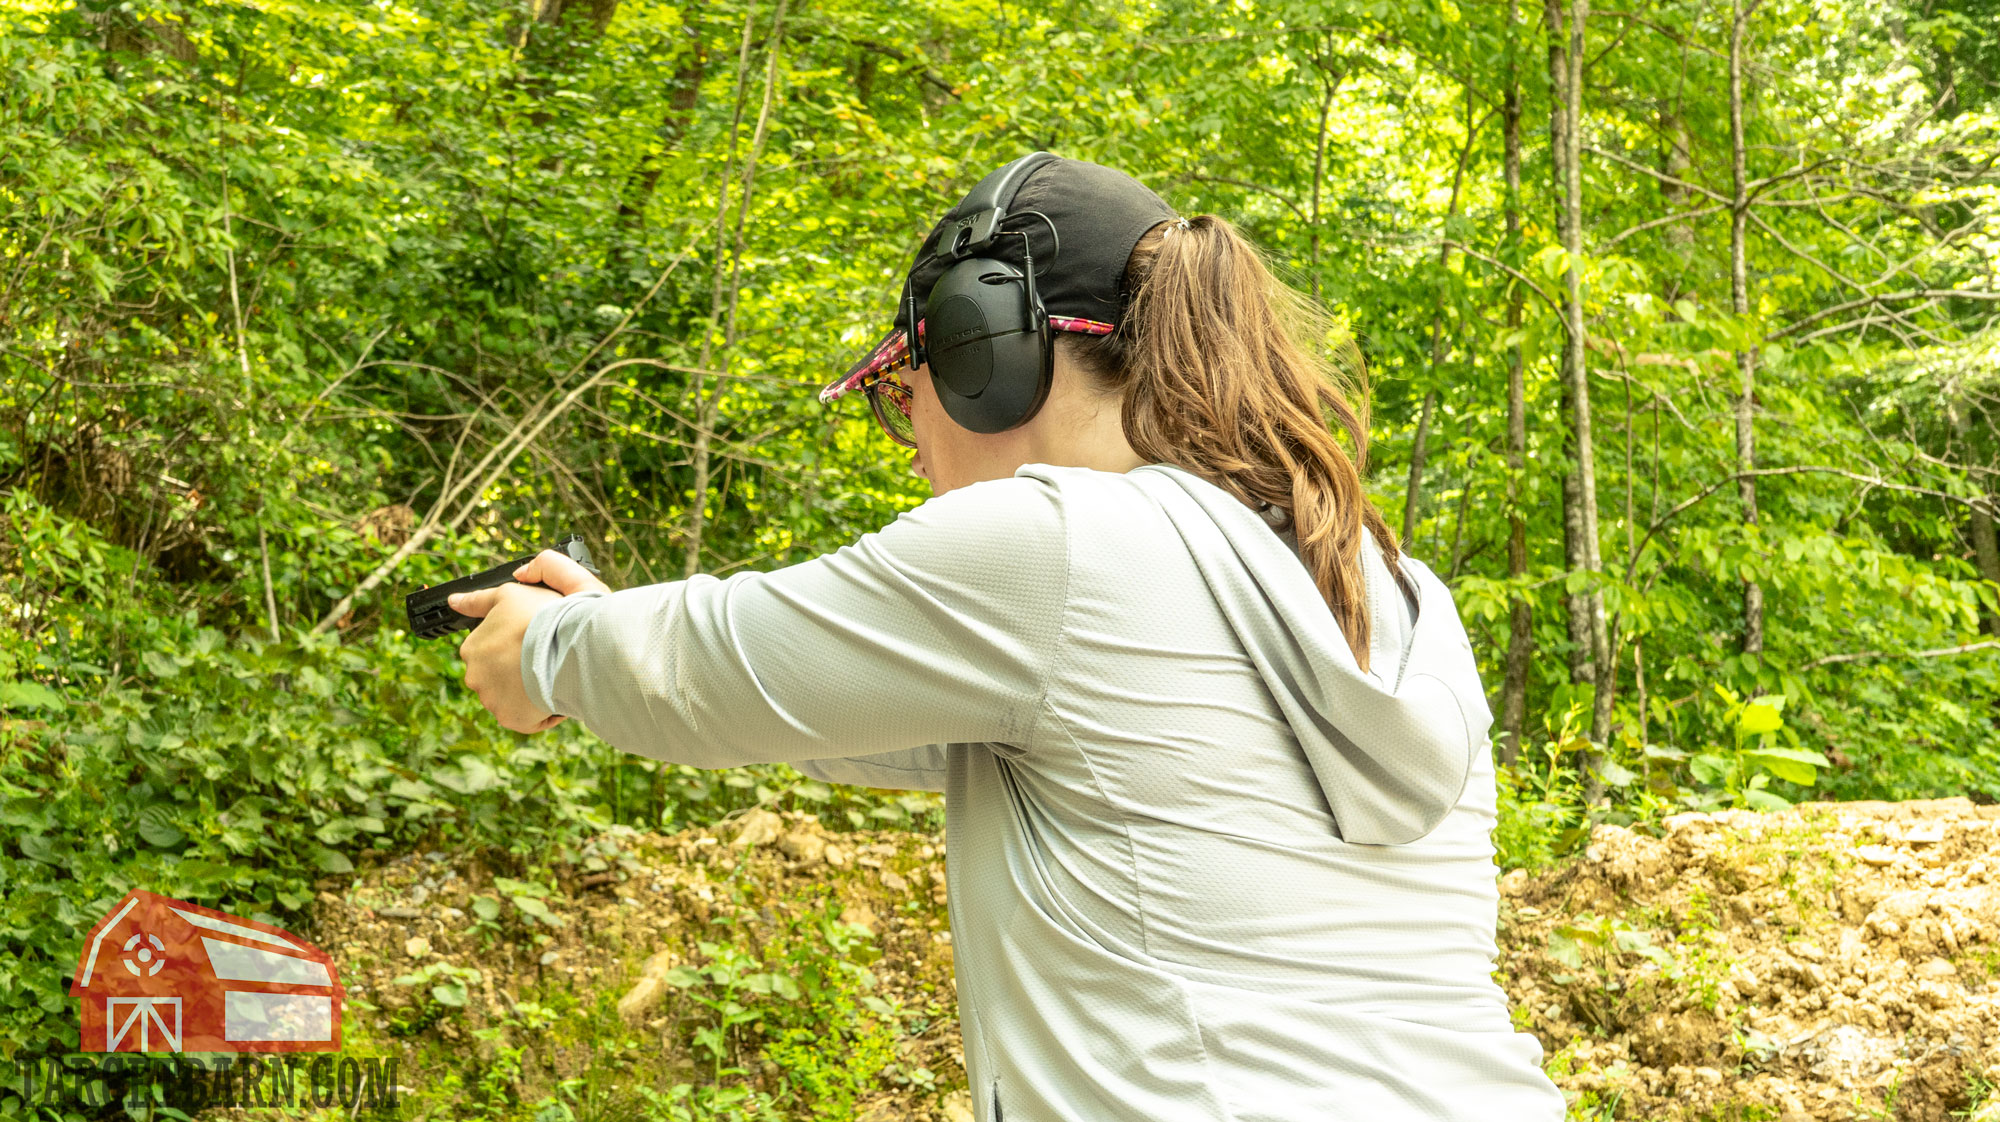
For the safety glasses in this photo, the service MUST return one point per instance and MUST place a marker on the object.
(889, 396)
(892, 400)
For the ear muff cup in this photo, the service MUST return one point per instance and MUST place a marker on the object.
(991, 355)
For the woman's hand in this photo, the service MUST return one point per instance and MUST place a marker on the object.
(492, 652)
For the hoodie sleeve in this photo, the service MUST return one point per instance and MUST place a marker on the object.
(937, 629)
(914, 769)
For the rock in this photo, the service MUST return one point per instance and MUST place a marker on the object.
(802, 845)
(416, 946)
(1937, 968)
(649, 989)
(757, 827)
(860, 915)
(1924, 833)
(1513, 882)
(1877, 855)
(958, 1106)
(894, 881)
(399, 913)
(836, 856)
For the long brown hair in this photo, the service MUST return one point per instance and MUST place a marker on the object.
(1233, 376)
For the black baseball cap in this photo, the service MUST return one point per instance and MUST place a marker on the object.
(1081, 221)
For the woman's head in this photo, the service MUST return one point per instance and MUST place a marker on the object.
(1197, 356)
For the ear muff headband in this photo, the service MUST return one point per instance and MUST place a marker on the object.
(987, 338)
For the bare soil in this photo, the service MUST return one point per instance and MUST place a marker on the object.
(1831, 962)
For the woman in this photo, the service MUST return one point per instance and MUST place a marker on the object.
(1218, 785)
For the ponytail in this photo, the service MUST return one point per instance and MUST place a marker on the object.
(1220, 369)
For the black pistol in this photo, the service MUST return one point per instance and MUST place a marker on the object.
(430, 610)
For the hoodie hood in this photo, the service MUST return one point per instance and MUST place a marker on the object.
(1393, 746)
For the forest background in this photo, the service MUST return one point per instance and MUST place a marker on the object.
(1680, 321)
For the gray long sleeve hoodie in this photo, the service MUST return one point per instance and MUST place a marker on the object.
(1201, 865)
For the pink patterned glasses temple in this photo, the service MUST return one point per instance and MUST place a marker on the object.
(895, 350)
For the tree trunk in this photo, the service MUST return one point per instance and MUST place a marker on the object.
(1676, 162)
(1330, 82)
(1985, 547)
(1419, 452)
(701, 454)
(1520, 633)
(1419, 447)
(1605, 670)
(686, 85)
(1739, 301)
(1576, 611)
(1580, 513)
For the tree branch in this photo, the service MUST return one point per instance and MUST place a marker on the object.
(1865, 301)
(1512, 272)
(1939, 653)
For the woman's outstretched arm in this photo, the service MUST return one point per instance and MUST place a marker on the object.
(937, 629)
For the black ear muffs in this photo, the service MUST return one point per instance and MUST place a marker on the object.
(986, 335)
(989, 347)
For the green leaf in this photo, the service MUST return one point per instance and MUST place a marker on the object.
(1761, 716)
(1616, 775)
(1565, 950)
(29, 695)
(486, 908)
(468, 775)
(1793, 765)
(331, 861)
(1800, 755)
(1709, 768)
(415, 789)
(1759, 799)
(156, 825)
(451, 993)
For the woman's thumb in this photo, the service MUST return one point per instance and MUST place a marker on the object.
(556, 570)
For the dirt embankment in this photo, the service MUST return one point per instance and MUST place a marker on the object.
(583, 1004)
(1834, 961)
(1829, 962)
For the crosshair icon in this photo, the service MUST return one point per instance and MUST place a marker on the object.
(150, 958)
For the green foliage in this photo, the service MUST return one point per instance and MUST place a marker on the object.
(451, 990)
(801, 1001)
(237, 772)
(1742, 774)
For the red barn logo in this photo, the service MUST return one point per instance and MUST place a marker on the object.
(160, 975)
